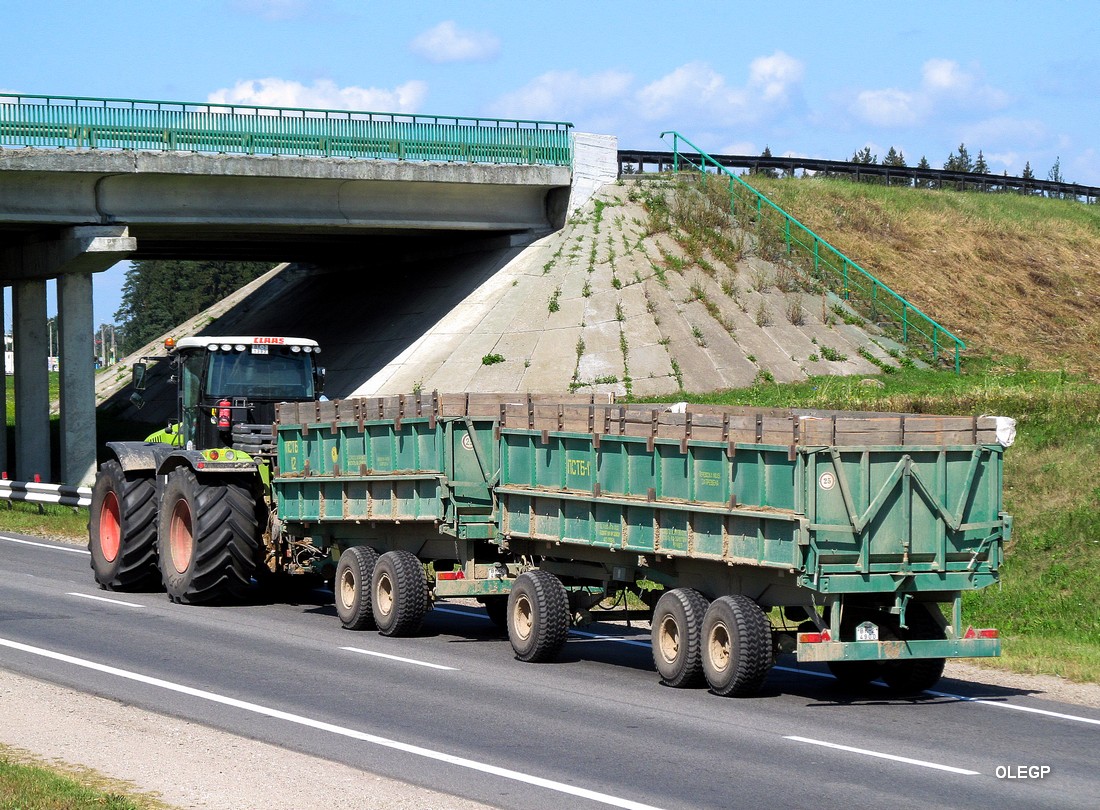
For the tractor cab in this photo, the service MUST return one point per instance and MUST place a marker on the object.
(227, 387)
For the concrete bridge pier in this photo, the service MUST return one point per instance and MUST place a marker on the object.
(72, 257)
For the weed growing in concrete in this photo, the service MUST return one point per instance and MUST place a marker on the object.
(586, 290)
(677, 373)
(763, 315)
(866, 354)
(616, 282)
(553, 303)
(620, 316)
(751, 358)
(832, 355)
(794, 311)
(492, 359)
(760, 279)
(763, 376)
(700, 338)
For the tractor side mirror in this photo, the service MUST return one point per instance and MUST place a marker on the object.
(140, 371)
(319, 380)
(137, 400)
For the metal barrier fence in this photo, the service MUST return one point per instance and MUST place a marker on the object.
(101, 123)
(784, 236)
(34, 492)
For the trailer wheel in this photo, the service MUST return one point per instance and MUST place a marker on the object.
(122, 529)
(399, 593)
(737, 646)
(912, 676)
(676, 635)
(538, 616)
(352, 587)
(208, 538)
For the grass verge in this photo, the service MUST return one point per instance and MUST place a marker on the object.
(26, 784)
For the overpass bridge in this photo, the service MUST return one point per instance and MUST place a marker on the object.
(95, 181)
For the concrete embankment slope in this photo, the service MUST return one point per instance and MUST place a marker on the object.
(600, 305)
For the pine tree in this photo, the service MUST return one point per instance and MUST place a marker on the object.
(158, 295)
(766, 172)
(1028, 173)
(1055, 173)
(894, 158)
(980, 166)
(925, 165)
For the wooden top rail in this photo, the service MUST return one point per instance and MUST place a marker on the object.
(593, 414)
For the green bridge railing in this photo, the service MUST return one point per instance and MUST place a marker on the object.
(823, 262)
(103, 123)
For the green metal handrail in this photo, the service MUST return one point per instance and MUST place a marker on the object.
(106, 123)
(846, 278)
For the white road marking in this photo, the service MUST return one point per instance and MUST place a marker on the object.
(880, 755)
(1006, 705)
(600, 637)
(70, 549)
(104, 599)
(397, 658)
(373, 739)
(468, 614)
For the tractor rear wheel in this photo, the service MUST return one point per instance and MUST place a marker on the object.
(122, 529)
(208, 537)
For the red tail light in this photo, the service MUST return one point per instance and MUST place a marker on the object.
(814, 638)
(223, 414)
(988, 632)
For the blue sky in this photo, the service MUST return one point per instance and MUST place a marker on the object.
(1018, 80)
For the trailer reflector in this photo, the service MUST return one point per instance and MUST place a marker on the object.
(988, 632)
(814, 638)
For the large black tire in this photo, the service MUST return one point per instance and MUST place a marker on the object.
(122, 529)
(676, 634)
(399, 593)
(913, 675)
(209, 538)
(538, 616)
(737, 646)
(352, 587)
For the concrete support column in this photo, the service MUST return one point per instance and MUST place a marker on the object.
(77, 344)
(3, 397)
(32, 381)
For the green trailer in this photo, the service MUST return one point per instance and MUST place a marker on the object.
(854, 527)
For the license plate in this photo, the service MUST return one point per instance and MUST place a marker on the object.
(259, 348)
(867, 632)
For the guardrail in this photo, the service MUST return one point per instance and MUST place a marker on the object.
(823, 262)
(105, 123)
(910, 174)
(34, 492)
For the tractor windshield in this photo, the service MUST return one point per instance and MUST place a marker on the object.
(279, 374)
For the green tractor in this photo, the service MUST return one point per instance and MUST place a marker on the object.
(188, 507)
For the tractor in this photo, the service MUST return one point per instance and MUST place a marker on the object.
(188, 508)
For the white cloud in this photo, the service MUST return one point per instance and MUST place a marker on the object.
(322, 94)
(697, 92)
(689, 89)
(563, 95)
(889, 107)
(774, 75)
(944, 84)
(447, 42)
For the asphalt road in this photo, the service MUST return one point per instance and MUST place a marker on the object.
(454, 711)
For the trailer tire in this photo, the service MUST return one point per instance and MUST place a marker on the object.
(352, 587)
(208, 538)
(676, 637)
(737, 646)
(122, 529)
(912, 676)
(399, 593)
(538, 616)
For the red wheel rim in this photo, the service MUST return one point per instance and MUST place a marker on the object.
(180, 539)
(110, 527)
